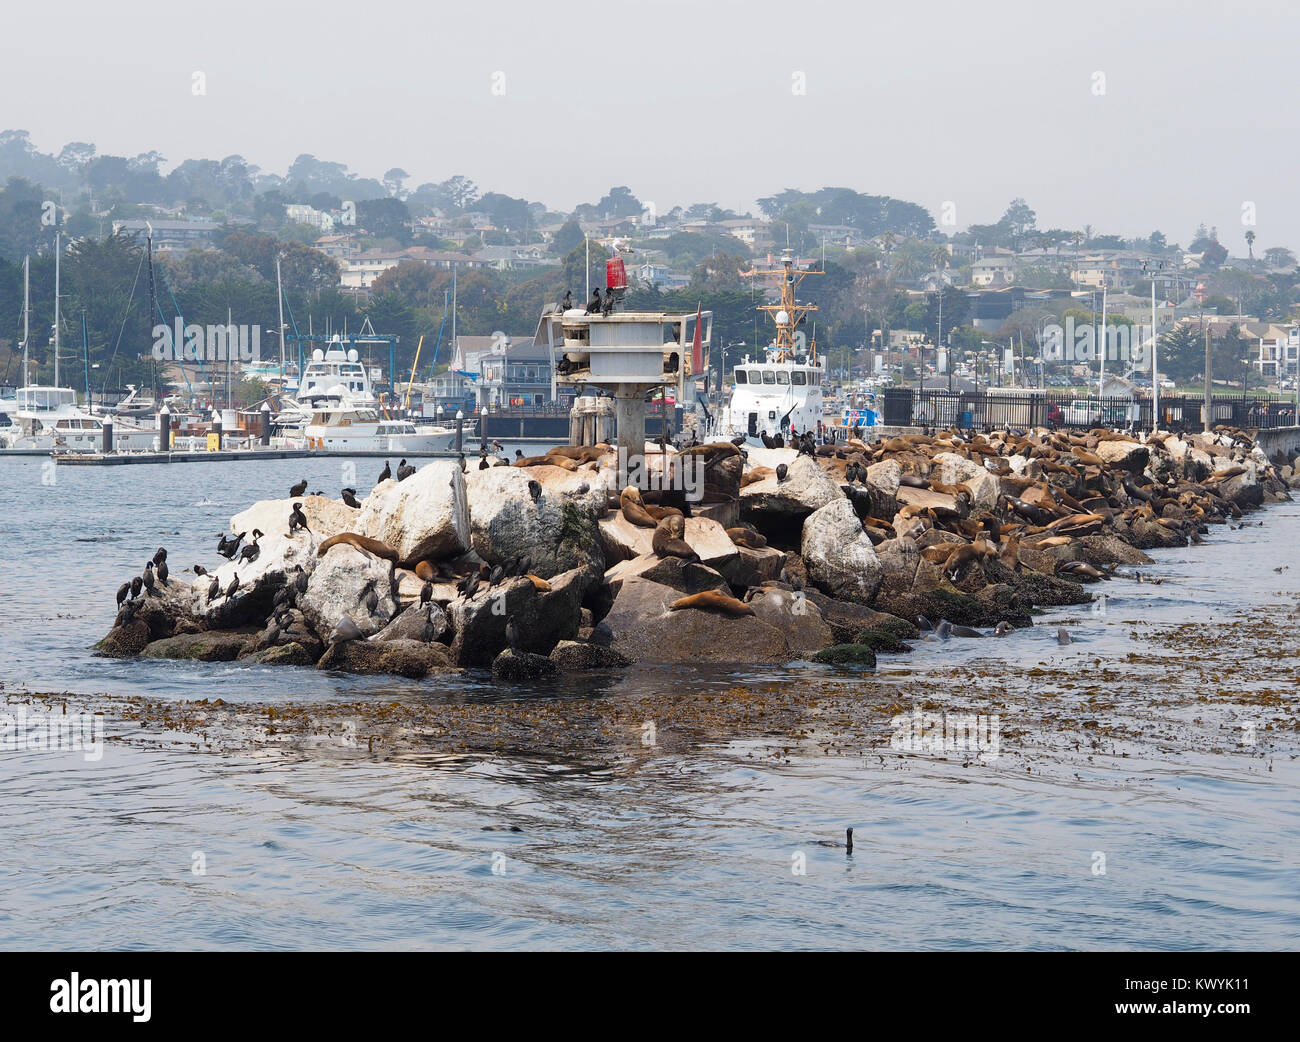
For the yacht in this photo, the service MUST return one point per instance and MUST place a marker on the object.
(779, 394)
(49, 418)
(340, 423)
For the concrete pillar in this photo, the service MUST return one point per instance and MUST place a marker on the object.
(575, 423)
(460, 430)
(629, 412)
(482, 429)
(164, 429)
(266, 424)
(216, 427)
(108, 436)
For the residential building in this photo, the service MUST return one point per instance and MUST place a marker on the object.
(170, 235)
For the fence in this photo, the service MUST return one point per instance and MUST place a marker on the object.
(907, 407)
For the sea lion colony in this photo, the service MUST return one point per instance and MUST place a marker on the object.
(788, 554)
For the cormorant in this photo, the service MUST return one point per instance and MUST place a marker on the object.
(147, 578)
(386, 473)
(781, 471)
(297, 490)
(233, 588)
(426, 593)
(483, 464)
(594, 305)
(250, 552)
(136, 585)
(297, 519)
(123, 592)
(404, 471)
(214, 588)
(161, 571)
(567, 302)
(350, 498)
(495, 575)
(160, 556)
(200, 570)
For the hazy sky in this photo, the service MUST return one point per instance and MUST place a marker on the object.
(972, 103)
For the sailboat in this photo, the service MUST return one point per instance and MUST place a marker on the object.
(46, 416)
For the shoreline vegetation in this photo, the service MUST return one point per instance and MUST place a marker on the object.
(835, 554)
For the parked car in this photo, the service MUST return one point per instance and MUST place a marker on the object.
(1091, 413)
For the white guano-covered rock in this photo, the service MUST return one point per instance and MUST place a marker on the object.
(425, 516)
(838, 556)
(338, 587)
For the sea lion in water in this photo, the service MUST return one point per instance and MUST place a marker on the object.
(634, 511)
(1063, 636)
(362, 542)
(1003, 629)
(668, 539)
(712, 600)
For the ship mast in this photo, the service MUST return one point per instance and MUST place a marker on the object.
(788, 313)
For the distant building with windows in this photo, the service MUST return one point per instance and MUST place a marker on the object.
(170, 235)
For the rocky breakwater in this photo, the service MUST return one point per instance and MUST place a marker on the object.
(716, 555)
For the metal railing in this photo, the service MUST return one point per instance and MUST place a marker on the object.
(907, 407)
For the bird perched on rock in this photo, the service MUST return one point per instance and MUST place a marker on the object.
(200, 570)
(214, 588)
(250, 553)
(497, 446)
(404, 471)
(535, 490)
(426, 593)
(300, 580)
(386, 473)
(160, 556)
(483, 464)
(781, 471)
(233, 588)
(350, 498)
(161, 571)
(123, 592)
(137, 584)
(147, 578)
(298, 489)
(496, 575)
(297, 519)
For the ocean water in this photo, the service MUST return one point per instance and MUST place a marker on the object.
(702, 844)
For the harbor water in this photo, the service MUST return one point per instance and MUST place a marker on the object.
(1143, 794)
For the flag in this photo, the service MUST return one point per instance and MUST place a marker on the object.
(697, 347)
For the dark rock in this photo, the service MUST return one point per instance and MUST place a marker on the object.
(521, 665)
(847, 655)
(404, 658)
(847, 619)
(573, 655)
(543, 618)
(292, 654)
(208, 646)
(125, 640)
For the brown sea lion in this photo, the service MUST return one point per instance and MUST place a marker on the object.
(538, 583)
(668, 541)
(712, 600)
(756, 474)
(1010, 555)
(630, 503)
(361, 542)
(747, 538)
(426, 571)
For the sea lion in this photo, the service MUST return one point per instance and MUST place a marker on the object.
(538, 583)
(633, 508)
(965, 631)
(747, 538)
(1003, 629)
(1063, 636)
(712, 600)
(362, 542)
(668, 539)
(426, 571)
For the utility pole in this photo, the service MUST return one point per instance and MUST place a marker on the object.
(1208, 399)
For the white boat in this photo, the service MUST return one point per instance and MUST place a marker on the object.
(337, 367)
(341, 424)
(780, 394)
(49, 418)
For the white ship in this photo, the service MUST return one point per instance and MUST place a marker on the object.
(339, 423)
(780, 394)
(49, 418)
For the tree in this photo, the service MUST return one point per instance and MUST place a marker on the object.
(1250, 243)
(1279, 257)
(386, 218)
(569, 236)
(1019, 219)
(393, 181)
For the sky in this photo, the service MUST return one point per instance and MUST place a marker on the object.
(1128, 117)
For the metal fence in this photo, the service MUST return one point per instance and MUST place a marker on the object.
(907, 407)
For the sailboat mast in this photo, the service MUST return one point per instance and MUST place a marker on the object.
(279, 298)
(58, 250)
(27, 309)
